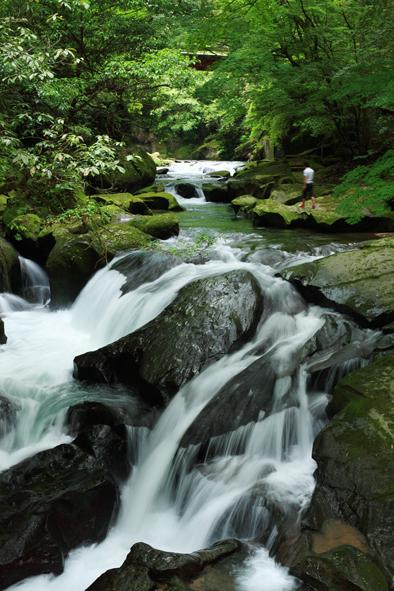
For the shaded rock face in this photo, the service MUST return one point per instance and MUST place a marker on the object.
(160, 200)
(148, 569)
(186, 190)
(161, 226)
(70, 264)
(342, 569)
(141, 267)
(10, 274)
(359, 282)
(8, 412)
(353, 503)
(49, 504)
(209, 318)
(3, 336)
(238, 403)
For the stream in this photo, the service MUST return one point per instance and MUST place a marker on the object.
(171, 500)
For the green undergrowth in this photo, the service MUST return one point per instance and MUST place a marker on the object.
(367, 189)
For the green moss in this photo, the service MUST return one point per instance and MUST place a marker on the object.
(161, 226)
(343, 568)
(117, 237)
(26, 226)
(3, 203)
(362, 280)
(268, 212)
(161, 201)
(120, 199)
(244, 203)
(8, 265)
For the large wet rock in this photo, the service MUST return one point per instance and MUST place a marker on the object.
(342, 569)
(325, 218)
(141, 267)
(126, 201)
(359, 282)
(161, 201)
(243, 400)
(148, 569)
(209, 318)
(161, 226)
(74, 258)
(9, 268)
(353, 503)
(49, 504)
(71, 263)
(3, 336)
(8, 413)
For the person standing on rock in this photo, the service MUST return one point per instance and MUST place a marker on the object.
(309, 176)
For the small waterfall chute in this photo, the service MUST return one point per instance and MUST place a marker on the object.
(35, 282)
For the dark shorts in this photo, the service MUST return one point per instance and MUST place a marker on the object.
(308, 191)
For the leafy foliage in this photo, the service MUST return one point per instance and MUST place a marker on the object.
(368, 189)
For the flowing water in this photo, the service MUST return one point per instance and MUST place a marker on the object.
(173, 499)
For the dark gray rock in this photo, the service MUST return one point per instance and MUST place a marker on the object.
(148, 569)
(141, 267)
(238, 403)
(3, 336)
(50, 503)
(186, 190)
(354, 484)
(209, 318)
(8, 413)
(10, 274)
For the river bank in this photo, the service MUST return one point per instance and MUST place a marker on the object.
(157, 436)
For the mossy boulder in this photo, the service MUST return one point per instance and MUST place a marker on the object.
(359, 282)
(160, 201)
(219, 174)
(354, 455)
(10, 275)
(125, 201)
(118, 237)
(342, 569)
(268, 212)
(216, 192)
(208, 318)
(70, 264)
(140, 171)
(324, 218)
(51, 503)
(186, 190)
(287, 194)
(347, 533)
(244, 203)
(161, 226)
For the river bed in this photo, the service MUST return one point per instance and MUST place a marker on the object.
(221, 499)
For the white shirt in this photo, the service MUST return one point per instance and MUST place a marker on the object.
(309, 174)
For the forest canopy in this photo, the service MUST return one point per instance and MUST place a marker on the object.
(82, 78)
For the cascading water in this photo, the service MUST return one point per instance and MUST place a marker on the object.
(194, 172)
(177, 498)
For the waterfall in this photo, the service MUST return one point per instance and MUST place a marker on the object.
(178, 499)
(35, 282)
(194, 172)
